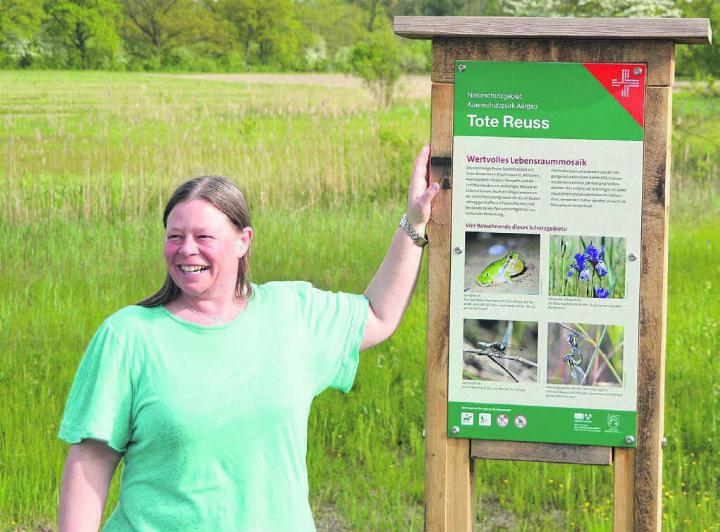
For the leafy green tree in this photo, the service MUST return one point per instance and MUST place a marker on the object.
(377, 61)
(442, 7)
(153, 28)
(20, 25)
(589, 8)
(88, 29)
(697, 61)
(338, 24)
(268, 31)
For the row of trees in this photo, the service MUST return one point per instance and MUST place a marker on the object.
(237, 35)
(190, 34)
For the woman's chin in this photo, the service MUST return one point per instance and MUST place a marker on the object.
(191, 287)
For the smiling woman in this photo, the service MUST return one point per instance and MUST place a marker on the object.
(205, 387)
(206, 217)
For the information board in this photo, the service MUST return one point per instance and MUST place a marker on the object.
(545, 269)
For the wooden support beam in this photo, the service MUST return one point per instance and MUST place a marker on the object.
(658, 55)
(675, 30)
(542, 452)
(653, 305)
(623, 490)
(448, 469)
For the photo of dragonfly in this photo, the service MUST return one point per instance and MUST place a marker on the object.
(584, 354)
(499, 350)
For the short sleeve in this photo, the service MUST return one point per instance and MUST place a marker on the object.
(335, 321)
(99, 405)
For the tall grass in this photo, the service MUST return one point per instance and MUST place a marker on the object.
(88, 160)
(696, 136)
(109, 145)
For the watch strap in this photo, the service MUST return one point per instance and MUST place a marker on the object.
(410, 230)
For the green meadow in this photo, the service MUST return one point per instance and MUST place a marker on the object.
(86, 163)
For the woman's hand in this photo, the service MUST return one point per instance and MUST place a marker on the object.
(420, 195)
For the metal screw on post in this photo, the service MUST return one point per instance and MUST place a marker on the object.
(637, 71)
(458, 250)
(632, 257)
(461, 68)
(455, 429)
(629, 439)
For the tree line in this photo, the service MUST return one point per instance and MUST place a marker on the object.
(288, 35)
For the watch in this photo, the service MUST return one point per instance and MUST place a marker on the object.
(410, 230)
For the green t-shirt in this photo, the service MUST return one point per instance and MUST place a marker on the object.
(212, 420)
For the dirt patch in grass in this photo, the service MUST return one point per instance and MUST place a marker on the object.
(328, 520)
(412, 87)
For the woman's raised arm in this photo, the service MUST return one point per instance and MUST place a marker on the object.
(390, 290)
(86, 480)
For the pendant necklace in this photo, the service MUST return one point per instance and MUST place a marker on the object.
(217, 320)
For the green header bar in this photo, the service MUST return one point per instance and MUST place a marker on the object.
(545, 424)
(537, 100)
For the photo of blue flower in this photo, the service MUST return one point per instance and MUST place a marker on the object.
(587, 266)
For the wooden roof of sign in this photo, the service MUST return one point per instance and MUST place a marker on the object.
(679, 30)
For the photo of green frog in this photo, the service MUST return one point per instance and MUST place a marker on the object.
(502, 263)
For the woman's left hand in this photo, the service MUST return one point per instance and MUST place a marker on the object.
(420, 194)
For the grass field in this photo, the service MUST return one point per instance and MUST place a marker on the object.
(87, 161)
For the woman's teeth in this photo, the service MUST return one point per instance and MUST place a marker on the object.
(193, 269)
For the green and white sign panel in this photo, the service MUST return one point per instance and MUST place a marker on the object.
(545, 267)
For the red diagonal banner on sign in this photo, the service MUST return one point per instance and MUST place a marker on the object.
(625, 82)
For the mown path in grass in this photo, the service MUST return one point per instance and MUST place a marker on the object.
(87, 160)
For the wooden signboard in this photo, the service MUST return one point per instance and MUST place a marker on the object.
(649, 45)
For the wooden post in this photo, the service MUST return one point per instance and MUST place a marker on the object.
(449, 492)
(448, 503)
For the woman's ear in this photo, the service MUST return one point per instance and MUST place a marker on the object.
(243, 241)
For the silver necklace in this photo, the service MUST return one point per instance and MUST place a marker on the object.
(217, 320)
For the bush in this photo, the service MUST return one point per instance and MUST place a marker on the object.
(377, 61)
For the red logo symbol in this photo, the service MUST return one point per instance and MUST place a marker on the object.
(626, 82)
(620, 80)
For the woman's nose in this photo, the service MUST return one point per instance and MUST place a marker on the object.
(188, 247)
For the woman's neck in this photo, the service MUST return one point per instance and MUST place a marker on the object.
(207, 311)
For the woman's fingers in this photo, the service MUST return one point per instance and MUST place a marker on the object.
(421, 195)
(427, 196)
(418, 183)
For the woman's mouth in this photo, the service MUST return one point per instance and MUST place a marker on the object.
(195, 268)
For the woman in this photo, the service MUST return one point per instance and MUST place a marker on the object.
(205, 387)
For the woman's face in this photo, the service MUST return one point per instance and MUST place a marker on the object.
(202, 249)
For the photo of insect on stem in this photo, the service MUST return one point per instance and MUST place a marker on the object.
(499, 350)
(587, 266)
(585, 355)
(502, 263)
